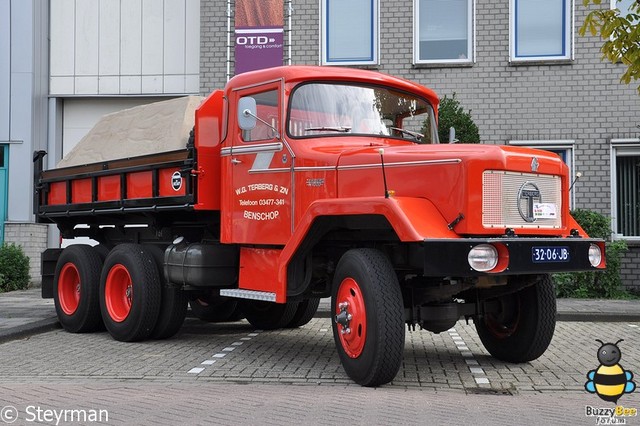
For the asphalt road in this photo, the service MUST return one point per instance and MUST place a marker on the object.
(233, 374)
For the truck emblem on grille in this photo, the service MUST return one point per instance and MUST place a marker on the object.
(535, 164)
(528, 195)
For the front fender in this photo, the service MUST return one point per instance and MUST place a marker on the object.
(412, 219)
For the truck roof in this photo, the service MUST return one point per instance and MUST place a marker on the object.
(294, 74)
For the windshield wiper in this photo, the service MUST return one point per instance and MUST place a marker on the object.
(341, 129)
(417, 136)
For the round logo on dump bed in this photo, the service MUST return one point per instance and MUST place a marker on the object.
(176, 181)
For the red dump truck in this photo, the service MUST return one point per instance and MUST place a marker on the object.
(300, 183)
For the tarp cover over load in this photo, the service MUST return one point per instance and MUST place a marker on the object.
(142, 130)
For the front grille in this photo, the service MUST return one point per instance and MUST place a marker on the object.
(507, 199)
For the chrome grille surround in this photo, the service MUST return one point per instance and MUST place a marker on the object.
(501, 201)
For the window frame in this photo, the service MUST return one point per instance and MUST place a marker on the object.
(568, 145)
(471, 42)
(568, 37)
(620, 145)
(374, 59)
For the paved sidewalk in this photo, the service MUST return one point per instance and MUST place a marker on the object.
(24, 312)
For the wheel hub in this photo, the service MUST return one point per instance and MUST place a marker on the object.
(344, 317)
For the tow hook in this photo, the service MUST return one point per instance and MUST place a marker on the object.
(343, 318)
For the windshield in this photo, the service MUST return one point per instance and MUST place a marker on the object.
(334, 109)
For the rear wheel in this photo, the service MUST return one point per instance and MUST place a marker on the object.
(76, 287)
(130, 293)
(368, 326)
(210, 308)
(304, 313)
(267, 315)
(173, 305)
(522, 328)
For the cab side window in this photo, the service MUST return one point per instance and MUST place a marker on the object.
(268, 111)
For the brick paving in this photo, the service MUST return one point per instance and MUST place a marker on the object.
(307, 356)
(232, 374)
(295, 376)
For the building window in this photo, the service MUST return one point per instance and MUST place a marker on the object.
(443, 31)
(622, 5)
(625, 187)
(564, 150)
(541, 30)
(349, 32)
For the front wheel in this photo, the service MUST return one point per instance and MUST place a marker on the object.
(522, 327)
(368, 326)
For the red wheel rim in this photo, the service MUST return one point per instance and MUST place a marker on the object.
(118, 293)
(350, 299)
(69, 288)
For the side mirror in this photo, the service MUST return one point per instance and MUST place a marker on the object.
(452, 135)
(247, 113)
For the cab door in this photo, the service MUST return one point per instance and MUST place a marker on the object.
(260, 162)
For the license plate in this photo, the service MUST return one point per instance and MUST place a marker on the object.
(550, 254)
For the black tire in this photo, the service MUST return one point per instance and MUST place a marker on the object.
(102, 250)
(237, 314)
(212, 308)
(267, 315)
(173, 304)
(130, 293)
(524, 327)
(76, 287)
(305, 312)
(371, 353)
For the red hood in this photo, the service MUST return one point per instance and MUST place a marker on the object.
(449, 175)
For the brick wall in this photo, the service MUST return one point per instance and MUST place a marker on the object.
(629, 266)
(32, 238)
(581, 101)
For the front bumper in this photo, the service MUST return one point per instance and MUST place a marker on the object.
(447, 257)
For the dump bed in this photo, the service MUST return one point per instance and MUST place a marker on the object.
(149, 183)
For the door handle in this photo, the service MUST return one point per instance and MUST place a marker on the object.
(235, 161)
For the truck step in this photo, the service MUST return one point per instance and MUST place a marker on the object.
(249, 294)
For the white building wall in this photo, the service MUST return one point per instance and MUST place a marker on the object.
(23, 115)
(132, 47)
(5, 69)
(20, 121)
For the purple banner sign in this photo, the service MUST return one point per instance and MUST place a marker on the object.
(259, 34)
(258, 48)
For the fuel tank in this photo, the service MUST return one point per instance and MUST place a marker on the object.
(201, 264)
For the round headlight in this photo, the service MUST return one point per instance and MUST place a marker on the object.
(595, 255)
(483, 257)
